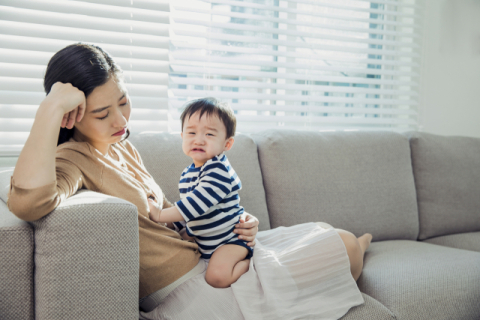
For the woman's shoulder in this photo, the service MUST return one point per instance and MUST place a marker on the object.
(74, 148)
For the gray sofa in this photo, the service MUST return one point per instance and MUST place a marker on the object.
(417, 193)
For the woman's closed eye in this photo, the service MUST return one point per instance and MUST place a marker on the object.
(104, 117)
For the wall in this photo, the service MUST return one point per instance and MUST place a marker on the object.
(450, 86)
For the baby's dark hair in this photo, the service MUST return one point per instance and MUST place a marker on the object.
(211, 106)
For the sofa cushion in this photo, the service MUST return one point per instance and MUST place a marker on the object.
(447, 175)
(370, 310)
(417, 280)
(163, 157)
(466, 241)
(358, 181)
(5, 174)
(16, 265)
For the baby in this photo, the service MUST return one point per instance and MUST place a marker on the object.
(209, 192)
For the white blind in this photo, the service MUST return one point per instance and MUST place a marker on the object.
(135, 33)
(305, 64)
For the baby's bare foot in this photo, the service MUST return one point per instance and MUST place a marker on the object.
(365, 241)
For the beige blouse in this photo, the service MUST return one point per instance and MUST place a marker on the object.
(164, 256)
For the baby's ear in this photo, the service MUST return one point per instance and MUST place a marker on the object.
(229, 144)
(181, 134)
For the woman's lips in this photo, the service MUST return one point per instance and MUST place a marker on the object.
(119, 133)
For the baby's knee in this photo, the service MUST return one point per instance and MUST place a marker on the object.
(217, 278)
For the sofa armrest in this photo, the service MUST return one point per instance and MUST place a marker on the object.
(87, 259)
(16, 266)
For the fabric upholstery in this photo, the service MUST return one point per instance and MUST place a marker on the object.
(358, 181)
(166, 148)
(422, 281)
(466, 241)
(447, 175)
(5, 174)
(16, 265)
(370, 310)
(86, 259)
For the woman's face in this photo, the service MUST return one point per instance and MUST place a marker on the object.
(106, 116)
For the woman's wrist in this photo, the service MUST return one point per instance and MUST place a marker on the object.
(49, 110)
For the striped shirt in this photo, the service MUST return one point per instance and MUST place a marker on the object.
(210, 204)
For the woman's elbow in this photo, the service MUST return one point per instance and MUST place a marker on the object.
(25, 211)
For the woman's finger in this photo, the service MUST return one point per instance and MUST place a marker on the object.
(247, 238)
(71, 118)
(64, 120)
(246, 231)
(81, 111)
(251, 244)
(247, 225)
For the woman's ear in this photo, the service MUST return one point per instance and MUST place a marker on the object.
(228, 144)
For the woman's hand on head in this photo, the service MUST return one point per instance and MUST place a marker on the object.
(71, 100)
(247, 228)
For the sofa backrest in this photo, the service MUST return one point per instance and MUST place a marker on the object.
(163, 157)
(357, 181)
(447, 176)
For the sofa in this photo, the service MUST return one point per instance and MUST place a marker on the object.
(418, 194)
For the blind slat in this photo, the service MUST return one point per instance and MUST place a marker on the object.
(275, 86)
(292, 76)
(316, 4)
(53, 45)
(266, 52)
(295, 44)
(287, 97)
(244, 64)
(81, 22)
(75, 35)
(315, 109)
(92, 10)
(317, 35)
(233, 14)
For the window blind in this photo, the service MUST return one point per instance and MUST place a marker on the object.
(135, 33)
(304, 64)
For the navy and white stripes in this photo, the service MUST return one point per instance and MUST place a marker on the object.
(210, 204)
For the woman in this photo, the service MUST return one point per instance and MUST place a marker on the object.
(87, 98)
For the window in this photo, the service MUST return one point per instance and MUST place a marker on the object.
(135, 33)
(304, 64)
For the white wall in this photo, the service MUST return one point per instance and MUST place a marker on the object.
(450, 86)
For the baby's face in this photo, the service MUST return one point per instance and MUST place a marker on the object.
(204, 138)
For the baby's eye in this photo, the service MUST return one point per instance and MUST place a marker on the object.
(191, 133)
(210, 134)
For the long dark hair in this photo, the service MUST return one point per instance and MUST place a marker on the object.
(85, 66)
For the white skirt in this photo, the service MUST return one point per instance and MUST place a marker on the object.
(298, 272)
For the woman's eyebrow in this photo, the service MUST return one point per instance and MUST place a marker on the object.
(103, 108)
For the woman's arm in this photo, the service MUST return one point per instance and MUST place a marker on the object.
(36, 164)
(247, 228)
(35, 173)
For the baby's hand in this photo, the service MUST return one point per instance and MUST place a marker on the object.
(154, 210)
